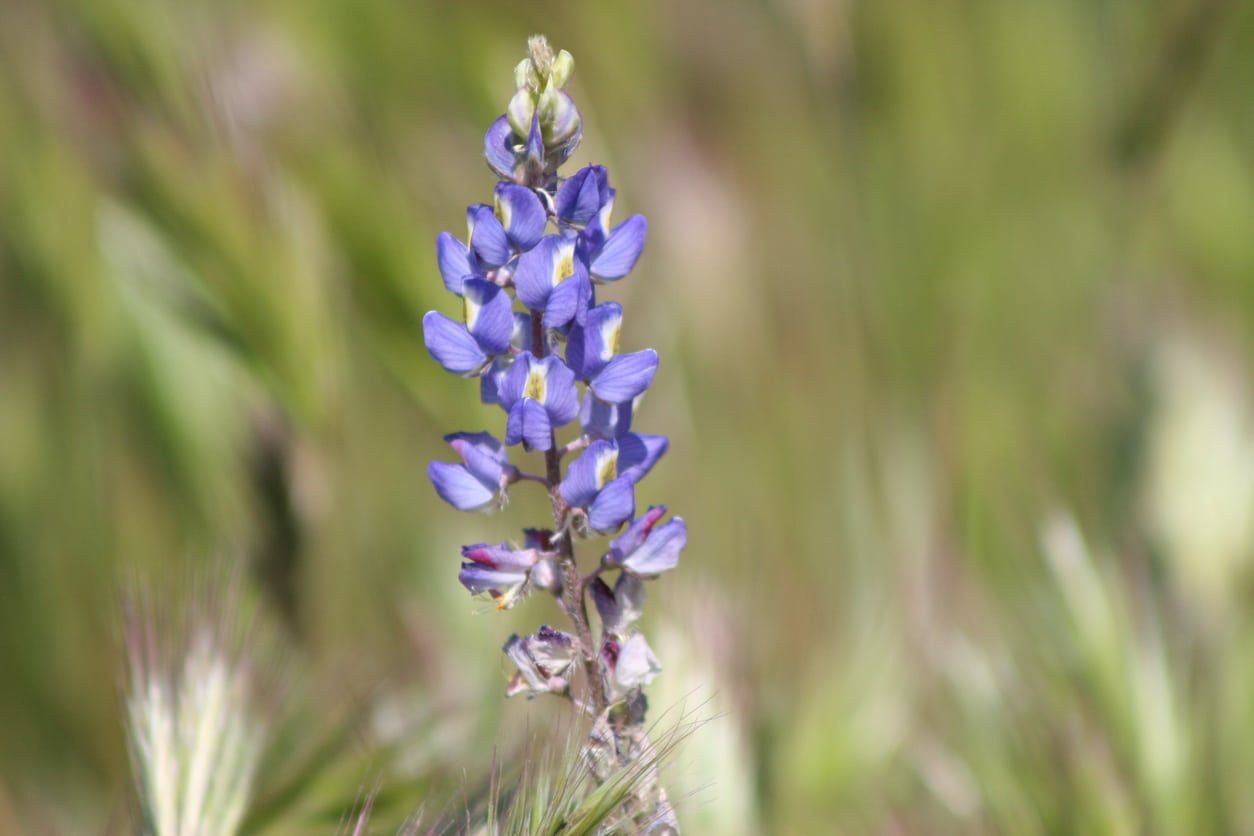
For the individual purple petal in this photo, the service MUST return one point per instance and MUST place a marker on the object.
(621, 249)
(638, 453)
(582, 195)
(543, 268)
(604, 420)
(613, 506)
(485, 442)
(635, 535)
(480, 579)
(455, 261)
(459, 488)
(660, 550)
(516, 380)
(498, 148)
(451, 344)
(487, 238)
(567, 298)
(521, 336)
(625, 377)
(535, 144)
(521, 214)
(482, 454)
(490, 382)
(501, 556)
(593, 344)
(596, 467)
(528, 422)
(489, 315)
(561, 397)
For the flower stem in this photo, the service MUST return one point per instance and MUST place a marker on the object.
(574, 600)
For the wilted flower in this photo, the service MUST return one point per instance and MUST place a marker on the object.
(628, 666)
(506, 573)
(543, 660)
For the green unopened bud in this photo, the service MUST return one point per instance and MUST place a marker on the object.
(525, 75)
(541, 55)
(563, 68)
(520, 110)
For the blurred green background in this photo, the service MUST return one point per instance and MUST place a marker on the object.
(955, 303)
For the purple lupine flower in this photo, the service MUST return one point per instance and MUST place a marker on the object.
(586, 199)
(487, 238)
(647, 549)
(456, 261)
(625, 377)
(519, 341)
(605, 420)
(612, 255)
(540, 396)
(591, 346)
(584, 195)
(548, 243)
(521, 214)
(479, 482)
(602, 480)
(550, 278)
(505, 573)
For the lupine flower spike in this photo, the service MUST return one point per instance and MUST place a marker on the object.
(532, 331)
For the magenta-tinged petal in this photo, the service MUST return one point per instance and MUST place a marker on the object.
(593, 344)
(487, 238)
(459, 488)
(625, 377)
(621, 249)
(498, 148)
(561, 397)
(521, 214)
(638, 453)
(604, 420)
(528, 422)
(631, 539)
(613, 506)
(454, 260)
(451, 344)
(483, 442)
(489, 315)
(589, 473)
(660, 550)
(501, 557)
